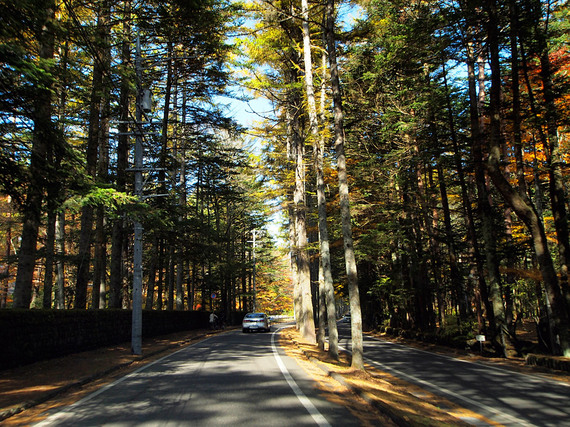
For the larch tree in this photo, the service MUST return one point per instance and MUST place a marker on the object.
(339, 146)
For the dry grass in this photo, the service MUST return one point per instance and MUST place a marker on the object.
(388, 398)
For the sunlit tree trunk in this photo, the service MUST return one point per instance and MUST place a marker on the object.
(317, 142)
(350, 258)
(328, 286)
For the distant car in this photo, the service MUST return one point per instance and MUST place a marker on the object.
(256, 322)
(345, 318)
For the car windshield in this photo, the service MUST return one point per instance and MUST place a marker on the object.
(254, 316)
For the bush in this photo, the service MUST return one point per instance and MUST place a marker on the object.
(31, 335)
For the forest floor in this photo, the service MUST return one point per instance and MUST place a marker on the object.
(27, 393)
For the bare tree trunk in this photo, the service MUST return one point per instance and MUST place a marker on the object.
(523, 208)
(50, 252)
(554, 158)
(292, 104)
(468, 214)
(42, 139)
(118, 237)
(324, 237)
(100, 254)
(96, 125)
(484, 208)
(60, 239)
(5, 274)
(151, 276)
(170, 278)
(307, 324)
(325, 280)
(350, 258)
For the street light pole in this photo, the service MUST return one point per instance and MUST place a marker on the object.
(254, 232)
(136, 337)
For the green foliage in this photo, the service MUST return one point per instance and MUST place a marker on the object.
(109, 198)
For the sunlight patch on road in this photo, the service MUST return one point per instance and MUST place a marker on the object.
(313, 411)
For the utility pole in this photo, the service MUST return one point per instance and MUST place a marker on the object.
(136, 337)
(254, 232)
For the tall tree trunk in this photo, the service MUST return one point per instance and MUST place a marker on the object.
(170, 278)
(100, 68)
(484, 207)
(151, 275)
(59, 226)
(524, 210)
(42, 138)
(118, 236)
(84, 257)
(328, 285)
(50, 252)
(350, 258)
(100, 261)
(60, 241)
(292, 111)
(325, 262)
(516, 108)
(159, 291)
(5, 275)
(100, 253)
(306, 319)
(466, 204)
(554, 158)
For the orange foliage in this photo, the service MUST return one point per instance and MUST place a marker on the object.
(274, 286)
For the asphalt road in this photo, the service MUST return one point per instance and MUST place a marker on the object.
(229, 379)
(502, 396)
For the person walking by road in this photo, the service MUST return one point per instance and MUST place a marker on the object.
(213, 320)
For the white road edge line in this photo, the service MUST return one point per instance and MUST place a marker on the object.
(67, 410)
(305, 401)
(482, 364)
(446, 391)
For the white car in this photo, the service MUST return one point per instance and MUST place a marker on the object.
(256, 322)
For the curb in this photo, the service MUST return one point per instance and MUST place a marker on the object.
(381, 407)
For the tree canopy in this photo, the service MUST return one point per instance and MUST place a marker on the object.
(417, 151)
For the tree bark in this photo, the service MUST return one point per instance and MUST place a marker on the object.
(468, 212)
(60, 242)
(328, 285)
(555, 161)
(350, 258)
(118, 236)
(42, 139)
(318, 146)
(524, 209)
(50, 252)
(100, 68)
